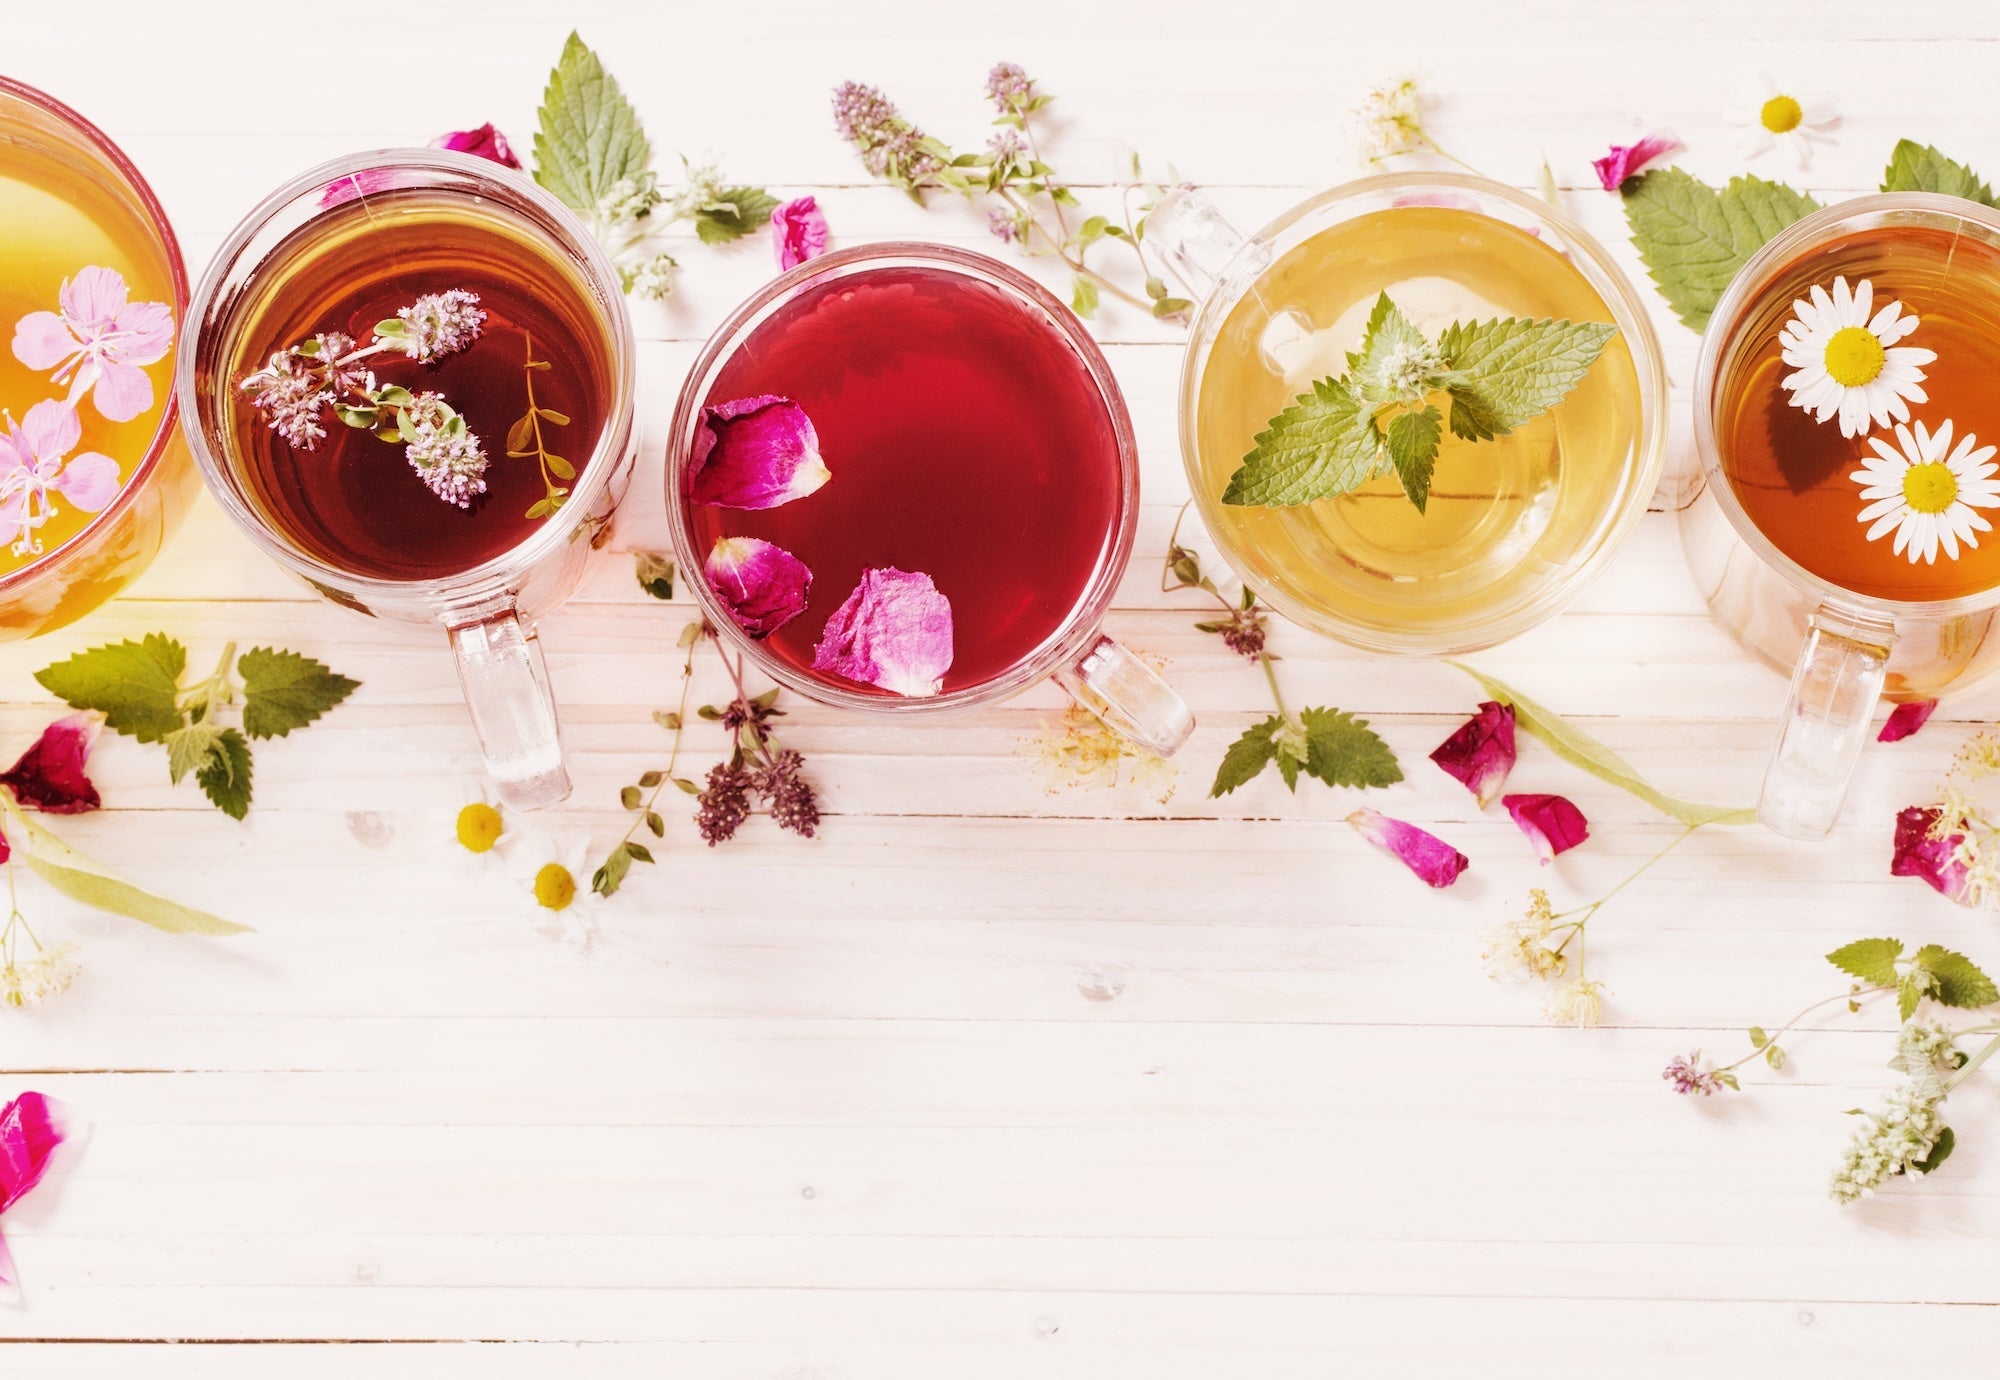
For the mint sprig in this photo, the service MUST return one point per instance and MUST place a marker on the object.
(1379, 418)
(1943, 975)
(1329, 745)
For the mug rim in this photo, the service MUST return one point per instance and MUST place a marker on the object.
(494, 576)
(1824, 225)
(155, 217)
(1076, 632)
(1621, 299)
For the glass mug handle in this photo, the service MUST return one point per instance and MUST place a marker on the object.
(506, 686)
(1827, 715)
(1115, 685)
(1196, 239)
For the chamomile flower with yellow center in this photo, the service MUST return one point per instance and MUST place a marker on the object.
(552, 876)
(1778, 117)
(1847, 359)
(1925, 491)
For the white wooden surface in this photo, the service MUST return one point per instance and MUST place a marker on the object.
(986, 1082)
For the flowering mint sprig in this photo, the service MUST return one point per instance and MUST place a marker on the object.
(1030, 206)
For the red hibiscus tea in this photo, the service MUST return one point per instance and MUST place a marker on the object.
(964, 438)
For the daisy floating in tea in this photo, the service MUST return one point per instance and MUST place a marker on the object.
(1847, 359)
(1925, 491)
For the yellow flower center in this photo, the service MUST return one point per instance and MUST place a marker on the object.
(554, 887)
(1854, 356)
(479, 827)
(1929, 488)
(1781, 114)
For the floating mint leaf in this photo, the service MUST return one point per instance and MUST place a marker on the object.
(1915, 167)
(284, 690)
(1247, 756)
(1394, 362)
(1323, 444)
(1509, 371)
(1344, 751)
(734, 213)
(1693, 238)
(1871, 960)
(226, 778)
(1957, 980)
(133, 684)
(590, 138)
(1413, 446)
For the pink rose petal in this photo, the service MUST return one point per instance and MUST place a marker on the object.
(1551, 822)
(798, 232)
(755, 453)
(50, 776)
(29, 1135)
(1917, 854)
(1480, 752)
(1628, 161)
(762, 585)
(1906, 719)
(485, 142)
(1425, 854)
(894, 631)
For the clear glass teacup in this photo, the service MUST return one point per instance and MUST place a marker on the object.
(1516, 525)
(381, 372)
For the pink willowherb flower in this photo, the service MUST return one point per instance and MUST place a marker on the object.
(762, 585)
(485, 142)
(49, 776)
(1906, 719)
(1551, 822)
(1436, 862)
(1693, 1078)
(29, 1135)
(1481, 751)
(894, 631)
(35, 462)
(1628, 161)
(1919, 854)
(755, 453)
(99, 341)
(798, 231)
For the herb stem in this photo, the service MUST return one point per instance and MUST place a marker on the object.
(1589, 912)
(1964, 1070)
(1061, 250)
(1790, 1025)
(673, 753)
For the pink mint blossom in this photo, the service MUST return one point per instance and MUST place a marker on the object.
(485, 142)
(1480, 752)
(1425, 854)
(29, 1135)
(1551, 822)
(33, 466)
(762, 585)
(798, 232)
(1628, 161)
(1906, 719)
(894, 631)
(1692, 1078)
(1917, 854)
(100, 340)
(50, 776)
(755, 453)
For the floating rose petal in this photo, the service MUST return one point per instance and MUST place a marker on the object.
(1550, 821)
(1917, 854)
(1481, 752)
(755, 453)
(1628, 161)
(485, 142)
(894, 631)
(1906, 719)
(49, 777)
(1427, 855)
(763, 586)
(29, 1136)
(798, 231)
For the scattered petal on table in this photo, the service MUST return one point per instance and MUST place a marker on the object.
(1425, 854)
(1906, 719)
(1481, 752)
(1551, 822)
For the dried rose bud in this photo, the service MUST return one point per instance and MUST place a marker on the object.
(894, 631)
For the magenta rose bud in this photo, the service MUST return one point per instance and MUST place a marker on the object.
(29, 1135)
(798, 232)
(894, 631)
(49, 777)
(1551, 822)
(485, 142)
(1425, 854)
(1906, 719)
(755, 453)
(763, 586)
(1481, 752)
(1918, 854)
(1628, 161)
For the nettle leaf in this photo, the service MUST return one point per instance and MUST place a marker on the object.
(1412, 442)
(1693, 238)
(226, 778)
(1915, 167)
(589, 136)
(1322, 445)
(284, 690)
(82, 879)
(1247, 756)
(1580, 749)
(1512, 370)
(735, 212)
(1377, 371)
(1909, 991)
(190, 747)
(1871, 960)
(1955, 979)
(133, 684)
(1342, 750)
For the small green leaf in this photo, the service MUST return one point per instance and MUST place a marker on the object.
(520, 435)
(639, 851)
(1909, 991)
(1693, 238)
(1322, 445)
(1915, 167)
(655, 572)
(735, 213)
(226, 778)
(1958, 981)
(1344, 751)
(559, 466)
(190, 747)
(629, 797)
(649, 779)
(1871, 960)
(133, 684)
(1412, 442)
(549, 414)
(1247, 757)
(284, 690)
(81, 879)
(610, 874)
(1509, 371)
(1758, 1039)
(1083, 296)
(1774, 1056)
(540, 508)
(686, 786)
(1171, 306)
(666, 719)
(1091, 231)
(657, 825)
(690, 634)
(1941, 1149)
(589, 136)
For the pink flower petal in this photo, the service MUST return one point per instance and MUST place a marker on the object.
(894, 631)
(798, 231)
(1481, 752)
(762, 585)
(29, 1136)
(50, 776)
(1425, 854)
(1917, 854)
(1906, 719)
(1628, 161)
(755, 453)
(42, 340)
(123, 391)
(89, 480)
(145, 332)
(367, 182)
(93, 298)
(1551, 822)
(485, 142)
(50, 428)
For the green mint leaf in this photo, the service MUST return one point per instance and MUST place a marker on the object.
(1412, 442)
(1391, 347)
(1345, 751)
(1580, 749)
(1511, 370)
(284, 690)
(1693, 238)
(1941, 1149)
(82, 879)
(735, 212)
(226, 778)
(133, 684)
(190, 747)
(1323, 444)
(1247, 756)
(1909, 991)
(1915, 167)
(1957, 980)
(589, 137)
(1871, 960)
(610, 874)
(1083, 296)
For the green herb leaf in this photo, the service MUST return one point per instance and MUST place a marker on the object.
(1512, 370)
(1910, 990)
(1413, 446)
(1323, 444)
(735, 212)
(1774, 1056)
(133, 684)
(1957, 980)
(610, 875)
(1941, 1149)
(639, 851)
(1871, 960)
(81, 879)
(1380, 370)
(226, 778)
(1758, 1039)
(1083, 296)
(520, 436)
(190, 747)
(1580, 749)
(1915, 167)
(284, 690)
(589, 137)
(1693, 238)
(1247, 756)
(1344, 751)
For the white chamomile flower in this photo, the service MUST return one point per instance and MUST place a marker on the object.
(552, 876)
(1848, 362)
(1927, 491)
(1774, 117)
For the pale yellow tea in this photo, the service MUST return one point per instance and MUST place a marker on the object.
(1507, 518)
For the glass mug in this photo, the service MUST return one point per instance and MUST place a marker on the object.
(1776, 539)
(341, 246)
(974, 434)
(70, 199)
(1516, 526)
